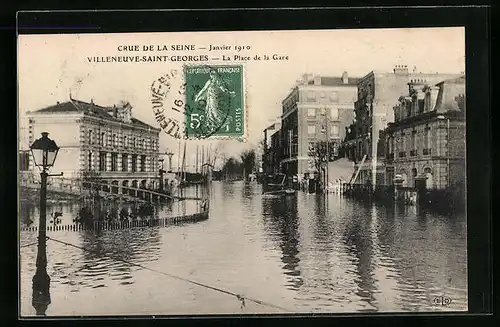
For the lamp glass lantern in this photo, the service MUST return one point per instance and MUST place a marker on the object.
(44, 151)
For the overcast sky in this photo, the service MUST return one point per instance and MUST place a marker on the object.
(52, 66)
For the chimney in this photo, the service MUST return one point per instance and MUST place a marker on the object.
(91, 101)
(317, 80)
(345, 78)
(58, 102)
(305, 79)
(414, 69)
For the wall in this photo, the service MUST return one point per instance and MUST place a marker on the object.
(64, 130)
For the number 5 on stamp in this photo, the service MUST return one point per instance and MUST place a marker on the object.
(214, 101)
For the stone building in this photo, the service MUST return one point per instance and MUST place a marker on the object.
(108, 140)
(427, 138)
(270, 150)
(377, 93)
(318, 108)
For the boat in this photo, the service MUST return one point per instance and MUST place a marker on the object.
(275, 185)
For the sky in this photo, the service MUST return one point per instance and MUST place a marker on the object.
(50, 67)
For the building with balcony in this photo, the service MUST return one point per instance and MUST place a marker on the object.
(316, 110)
(108, 140)
(377, 93)
(426, 141)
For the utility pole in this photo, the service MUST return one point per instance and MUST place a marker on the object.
(169, 154)
(161, 175)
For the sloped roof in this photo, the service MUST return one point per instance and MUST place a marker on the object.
(90, 109)
(336, 81)
(454, 80)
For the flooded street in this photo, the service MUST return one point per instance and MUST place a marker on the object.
(297, 254)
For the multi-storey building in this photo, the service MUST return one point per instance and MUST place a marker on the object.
(427, 138)
(317, 109)
(270, 149)
(123, 149)
(376, 96)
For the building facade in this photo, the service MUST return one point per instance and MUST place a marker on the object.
(377, 93)
(427, 139)
(316, 110)
(271, 150)
(108, 140)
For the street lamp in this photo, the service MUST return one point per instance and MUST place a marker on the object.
(44, 151)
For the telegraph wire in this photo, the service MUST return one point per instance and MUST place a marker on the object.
(240, 297)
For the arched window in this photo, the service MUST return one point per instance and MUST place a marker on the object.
(90, 137)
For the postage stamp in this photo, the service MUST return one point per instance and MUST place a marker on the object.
(215, 103)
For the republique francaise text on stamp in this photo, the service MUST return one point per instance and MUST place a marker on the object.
(204, 102)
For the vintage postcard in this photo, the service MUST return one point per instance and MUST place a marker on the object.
(242, 172)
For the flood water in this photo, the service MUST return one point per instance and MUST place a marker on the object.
(298, 254)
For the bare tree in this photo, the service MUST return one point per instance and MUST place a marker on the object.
(248, 160)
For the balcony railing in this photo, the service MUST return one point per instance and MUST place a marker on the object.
(426, 152)
(402, 154)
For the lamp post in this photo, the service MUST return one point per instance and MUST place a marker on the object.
(44, 151)
(161, 175)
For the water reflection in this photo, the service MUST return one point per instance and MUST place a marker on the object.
(359, 245)
(280, 214)
(312, 253)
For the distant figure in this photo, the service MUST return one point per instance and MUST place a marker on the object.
(204, 205)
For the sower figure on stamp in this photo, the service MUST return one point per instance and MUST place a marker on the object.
(214, 93)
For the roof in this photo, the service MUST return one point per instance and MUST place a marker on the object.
(336, 81)
(90, 109)
(454, 80)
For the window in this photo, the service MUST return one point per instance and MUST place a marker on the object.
(323, 94)
(102, 161)
(334, 96)
(334, 113)
(427, 137)
(90, 137)
(413, 142)
(335, 131)
(114, 140)
(143, 163)
(103, 137)
(311, 112)
(414, 172)
(134, 162)
(134, 143)
(311, 95)
(125, 141)
(124, 162)
(311, 129)
(90, 161)
(114, 162)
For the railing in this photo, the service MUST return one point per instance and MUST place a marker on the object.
(76, 186)
(402, 154)
(140, 223)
